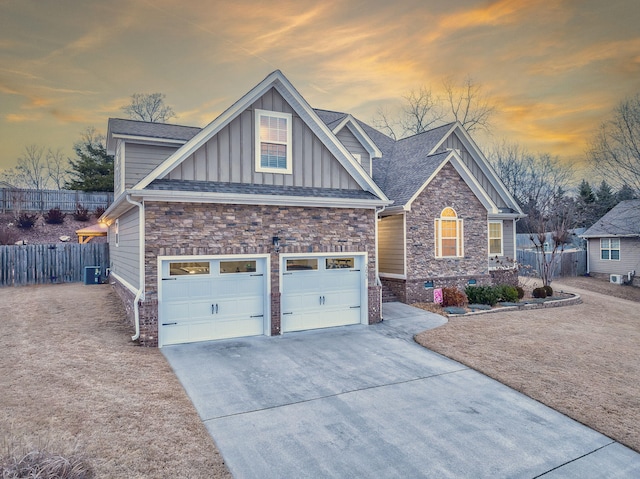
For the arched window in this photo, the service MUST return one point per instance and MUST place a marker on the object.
(449, 239)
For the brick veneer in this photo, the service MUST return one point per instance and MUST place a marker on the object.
(174, 229)
(446, 189)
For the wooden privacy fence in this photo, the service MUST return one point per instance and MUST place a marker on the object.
(50, 263)
(570, 263)
(17, 199)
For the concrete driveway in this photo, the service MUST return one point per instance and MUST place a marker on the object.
(366, 401)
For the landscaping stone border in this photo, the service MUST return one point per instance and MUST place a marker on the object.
(552, 303)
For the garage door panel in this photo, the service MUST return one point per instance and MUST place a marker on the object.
(321, 298)
(213, 306)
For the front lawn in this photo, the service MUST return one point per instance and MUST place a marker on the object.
(580, 360)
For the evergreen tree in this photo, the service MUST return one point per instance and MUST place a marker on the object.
(625, 193)
(93, 168)
(605, 199)
(585, 205)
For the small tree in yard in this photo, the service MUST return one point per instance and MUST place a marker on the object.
(550, 232)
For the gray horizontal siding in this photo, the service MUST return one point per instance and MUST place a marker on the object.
(391, 245)
(125, 258)
(230, 155)
(629, 257)
(142, 159)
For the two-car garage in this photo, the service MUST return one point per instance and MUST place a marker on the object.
(220, 297)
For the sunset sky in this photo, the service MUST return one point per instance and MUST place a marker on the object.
(555, 69)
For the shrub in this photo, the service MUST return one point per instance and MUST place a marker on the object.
(520, 292)
(8, 236)
(39, 462)
(54, 216)
(482, 295)
(549, 290)
(81, 213)
(507, 293)
(25, 220)
(99, 211)
(453, 297)
(539, 293)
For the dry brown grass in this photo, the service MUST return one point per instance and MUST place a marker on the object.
(69, 371)
(580, 360)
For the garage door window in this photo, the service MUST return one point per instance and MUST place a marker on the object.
(179, 269)
(237, 267)
(339, 263)
(302, 264)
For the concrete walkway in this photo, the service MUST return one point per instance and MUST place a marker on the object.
(366, 401)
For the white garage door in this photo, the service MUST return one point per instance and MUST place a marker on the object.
(321, 292)
(206, 299)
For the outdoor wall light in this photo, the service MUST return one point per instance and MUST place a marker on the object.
(276, 243)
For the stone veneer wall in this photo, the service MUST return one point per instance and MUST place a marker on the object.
(174, 229)
(446, 189)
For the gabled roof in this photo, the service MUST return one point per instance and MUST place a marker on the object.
(147, 131)
(354, 127)
(278, 81)
(622, 220)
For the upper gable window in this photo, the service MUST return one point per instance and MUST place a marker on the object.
(273, 142)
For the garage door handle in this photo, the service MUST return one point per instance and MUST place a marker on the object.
(214, 309)
(168, 324)
(169, 279)
(354, 307)
(286, 313)
(257, 316)
(257, 275)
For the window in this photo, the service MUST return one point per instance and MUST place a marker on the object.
(339, 263)
(194, 267)
(610, 248)
(302, 264)
(237, 267)
(273, 142)
(495, 238)
(448, 234)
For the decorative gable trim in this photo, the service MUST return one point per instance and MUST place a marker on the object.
(278, 81)
(482, 162)
(468, 178)
(357, 131)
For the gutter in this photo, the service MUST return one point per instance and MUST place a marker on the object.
(378, 280)
(140, 293)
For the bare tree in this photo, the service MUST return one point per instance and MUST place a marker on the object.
(57, 165)
(421, 110)
(615, 150)
(468, 104)
(149, 107)
(31, 170)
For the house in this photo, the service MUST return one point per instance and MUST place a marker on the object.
(613, 243)
(278, 217)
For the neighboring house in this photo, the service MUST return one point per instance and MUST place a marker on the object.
(613, 243)
(277, 217)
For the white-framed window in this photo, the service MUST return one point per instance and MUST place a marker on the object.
(610, 249)
(273, 142)
(495, 238)
(449, 235)
(116, 232)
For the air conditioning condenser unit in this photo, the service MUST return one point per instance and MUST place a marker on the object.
(615, 278)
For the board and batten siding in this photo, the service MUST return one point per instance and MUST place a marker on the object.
(229, 156)
(125, 257)
(629, 257)
(508, 246)
(117, 168)
(391, 241)
(354, 146)
(453, 142)
(142, 159)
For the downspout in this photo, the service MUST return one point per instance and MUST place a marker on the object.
(140, 294)
(378, 281)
